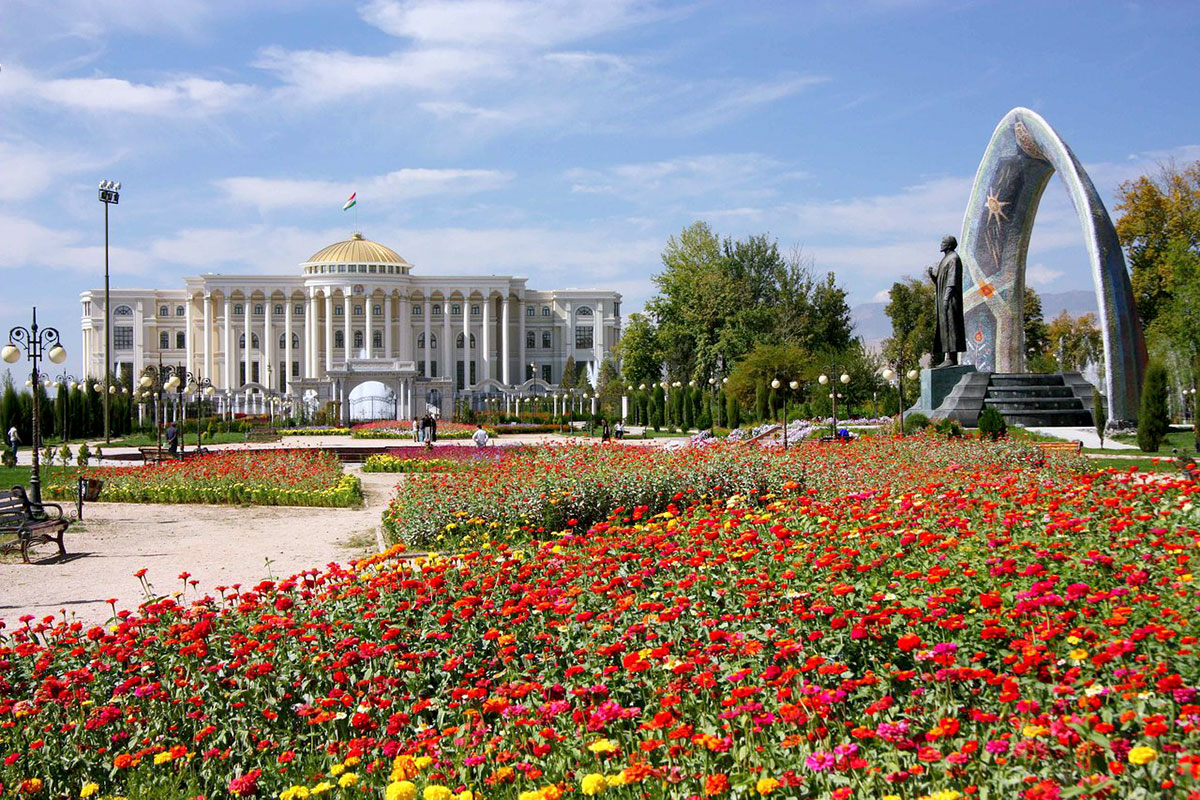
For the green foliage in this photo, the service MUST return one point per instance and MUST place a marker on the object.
(638, 350)
(761, 406)
(1153, 419)
(915, 422)
(991, 424)
(1075, 342)
(570, 376)
(733, 411)
(949, 428)
(912, 311)
(84, 455)
(1099, 415)
(1037, 336)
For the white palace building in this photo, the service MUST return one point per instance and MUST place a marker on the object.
(356, 315)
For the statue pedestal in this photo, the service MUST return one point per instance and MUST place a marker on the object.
(939, 398)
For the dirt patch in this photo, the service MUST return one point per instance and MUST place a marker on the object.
(216, 545)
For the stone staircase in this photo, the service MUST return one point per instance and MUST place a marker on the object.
(1040, 400)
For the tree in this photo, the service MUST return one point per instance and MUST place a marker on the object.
(610, 387)
(1075, 341)
(1158, 215)
(733, 411)
(1153, 422)
(1037, 335)
(912, 310)
(570, 374)
(1178, 326)
(638, 351)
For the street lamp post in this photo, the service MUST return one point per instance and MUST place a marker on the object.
(34, 341)
(110, 195)
(824, 381)
(888, 375)
(182, 378)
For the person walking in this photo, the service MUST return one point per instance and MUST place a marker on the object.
(416, 430)
(605, 431)
(14, 441)
(172, 439)
(432, 428)
(619, 429)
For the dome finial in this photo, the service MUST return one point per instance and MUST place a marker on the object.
(357, 235)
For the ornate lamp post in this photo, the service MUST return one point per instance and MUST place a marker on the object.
(824, 381)
(890, 374)
(34, 342)
(110, 195)
(182, 379)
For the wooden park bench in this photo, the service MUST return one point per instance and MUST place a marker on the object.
(30, 524)
(1072, 448)
(152, 455)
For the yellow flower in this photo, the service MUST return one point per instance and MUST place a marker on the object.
(766, 785)
(602, 746)
(422, 761)
(436, 792)
(322, 787)
(536, 794)
(401, 790)
(1034, 731)
(353, 761)
(615, 780)
(337, 769)
(592, 784)
(1142, 755)
(89, 789)
(465, 794)
(945, 794)
(294, 793)
(891, 797)
(1078, 654)
(348, 780)
(162, 758)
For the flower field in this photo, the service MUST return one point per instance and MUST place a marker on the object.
(254, 477)
(439, 458)
(910, 619)
(402, 429)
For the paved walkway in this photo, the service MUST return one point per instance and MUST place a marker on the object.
(1086, 435)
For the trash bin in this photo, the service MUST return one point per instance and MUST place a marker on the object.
(89, 490)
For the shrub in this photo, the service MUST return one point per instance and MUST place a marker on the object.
(915, 422)
(1099, 415)
(84, 456)
(992, 425)
(949, 428)
(1153, 421)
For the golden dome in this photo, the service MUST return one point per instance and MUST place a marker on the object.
(357, 250)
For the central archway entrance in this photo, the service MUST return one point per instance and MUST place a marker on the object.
(371, 401)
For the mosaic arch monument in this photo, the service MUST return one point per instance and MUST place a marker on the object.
(1020, 159)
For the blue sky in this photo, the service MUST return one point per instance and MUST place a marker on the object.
(560, 141)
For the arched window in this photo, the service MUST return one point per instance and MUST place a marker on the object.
(583, 311)
(258, 308)
(339, 339)
(455, 309)
(433, 341)
(437, 309)
(421, 341)
(179, 312)
(475, 310)
(416, 310)
(530, 339)
(164, 340)
(254, 341)
(283, 341)
(377, 340)
(279, 309)
(459, 341)
(180, 340)
(546, 339)
(530, 311)
(358, 340)
(376, 309)
(358, 311)
(338, 311)
(545, 311)
(164, 311)
(237, 308)
(123, 311)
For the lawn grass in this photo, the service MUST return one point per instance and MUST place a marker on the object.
(1143, 464)
(1178, 438)
(146, 440)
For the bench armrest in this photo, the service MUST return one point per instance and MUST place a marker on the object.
(57, 508)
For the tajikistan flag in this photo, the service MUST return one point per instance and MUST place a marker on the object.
(350, 201)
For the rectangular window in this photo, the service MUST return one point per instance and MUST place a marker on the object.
(258, 308)
(254, 370)
(421, 368)
(376, 309)
(546, 372)
(295, 369)
(475, 310)
(371, 269)
(164, 340)
(546, 339)
(416, 311)
(279, 309)
(437, 309)
(337, 311)
(530, 311)
(298, 310)
(123, 337)
(455, 310)
(237, 309)
(358, 311)
(433, 369)
(180, 340)
(583, 337)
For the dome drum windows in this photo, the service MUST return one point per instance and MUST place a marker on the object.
(459, 341)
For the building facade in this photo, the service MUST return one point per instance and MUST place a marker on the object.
(356, 314)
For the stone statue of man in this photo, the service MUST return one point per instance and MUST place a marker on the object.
(950, 335)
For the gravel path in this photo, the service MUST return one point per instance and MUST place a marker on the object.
(217, 545)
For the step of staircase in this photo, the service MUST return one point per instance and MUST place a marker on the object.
(1036, 400)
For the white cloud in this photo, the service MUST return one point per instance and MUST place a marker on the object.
(734, 100)
(501, 23)
(28, 244)
(28, 169)
(736, 177)
(387, 190)
(178, 96)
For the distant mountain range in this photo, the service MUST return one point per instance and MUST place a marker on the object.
(873, 325)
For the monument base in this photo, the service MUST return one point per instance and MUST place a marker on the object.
(939, 383)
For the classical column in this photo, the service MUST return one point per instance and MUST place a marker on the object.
(428, 336)
(387, 326)
(228, 341)
(598, 334)
(267, 372)
(466, 320)
(287, 343)
(521, 339)
(447, 342)
(369, 302)
(347, 297)
(504, 337)
(208, 336)
(406, 352)
(246, 308)
(310, 334)
(486, 342)
(328, 329)
(568, 335)
(188, 344)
